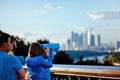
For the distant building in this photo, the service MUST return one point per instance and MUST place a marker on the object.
(118, 44)
(69, 44)
(89, 37)
(99, 40)
(83, 41)
(63, 47)
(92, 43)
(76, 40)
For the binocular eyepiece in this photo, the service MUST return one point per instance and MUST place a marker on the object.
(53, 46)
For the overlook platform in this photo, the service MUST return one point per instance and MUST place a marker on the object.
(84, 72)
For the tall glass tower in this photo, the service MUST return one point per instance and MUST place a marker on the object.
(99, 41)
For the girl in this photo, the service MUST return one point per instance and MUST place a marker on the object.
(36, 63)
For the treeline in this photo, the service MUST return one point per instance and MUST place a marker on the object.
(62, 58)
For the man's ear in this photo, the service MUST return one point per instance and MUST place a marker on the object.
(3, 44)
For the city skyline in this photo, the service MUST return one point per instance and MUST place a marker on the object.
(55, 20)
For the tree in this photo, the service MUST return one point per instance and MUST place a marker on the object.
(42, 41)
(80, 60)
(62, 58)
(107, 61)
(110, 60)
(87, 62)
(22, 48)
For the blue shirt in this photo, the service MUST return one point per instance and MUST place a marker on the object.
(37, 67)
(9, 66)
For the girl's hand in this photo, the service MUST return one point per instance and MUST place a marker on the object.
(47, 51)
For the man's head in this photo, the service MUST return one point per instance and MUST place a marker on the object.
(4, 41)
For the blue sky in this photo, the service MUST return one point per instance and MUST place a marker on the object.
(55, 19)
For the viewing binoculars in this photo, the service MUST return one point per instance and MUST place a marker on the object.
(52, 46)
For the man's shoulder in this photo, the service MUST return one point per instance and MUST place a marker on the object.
(12, 57)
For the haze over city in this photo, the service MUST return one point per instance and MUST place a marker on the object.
(56, 19)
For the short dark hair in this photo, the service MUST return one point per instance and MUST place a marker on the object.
(3, 37)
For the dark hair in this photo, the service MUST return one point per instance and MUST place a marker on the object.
(12, 38)
(35, 50)
(13, 42)
(3, 37)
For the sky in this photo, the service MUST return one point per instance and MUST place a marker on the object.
(54, 20)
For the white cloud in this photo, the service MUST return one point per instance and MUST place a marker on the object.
(111, 14)
(34, 36)
(49, 7)
(42, 10)
(21, 35)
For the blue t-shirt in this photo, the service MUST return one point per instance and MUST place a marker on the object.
(9, 66)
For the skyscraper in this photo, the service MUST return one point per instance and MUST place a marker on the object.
(118, 44)
(89, 37)
(99, 41)
(69, 44)
(92, 43)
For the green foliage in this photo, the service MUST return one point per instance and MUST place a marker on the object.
(81, 59)
(43, 41)
(87, 62)
(116, 58)
(62, 58)
(90, 62)
(109, 60)
(22, 48)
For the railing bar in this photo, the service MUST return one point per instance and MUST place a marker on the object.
(68, 73)
(88, 78)
(99, 79)
(61, 77)
(78, 77)
(69, 77)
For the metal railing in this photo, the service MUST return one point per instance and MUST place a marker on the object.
(78, 72)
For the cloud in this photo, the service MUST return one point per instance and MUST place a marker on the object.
(34, 36)
(27, 35)
(21, 35)
(111, 14)
(31, 36)
(49, 7)
(42, 10)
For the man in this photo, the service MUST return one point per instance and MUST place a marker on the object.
(10, 66)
